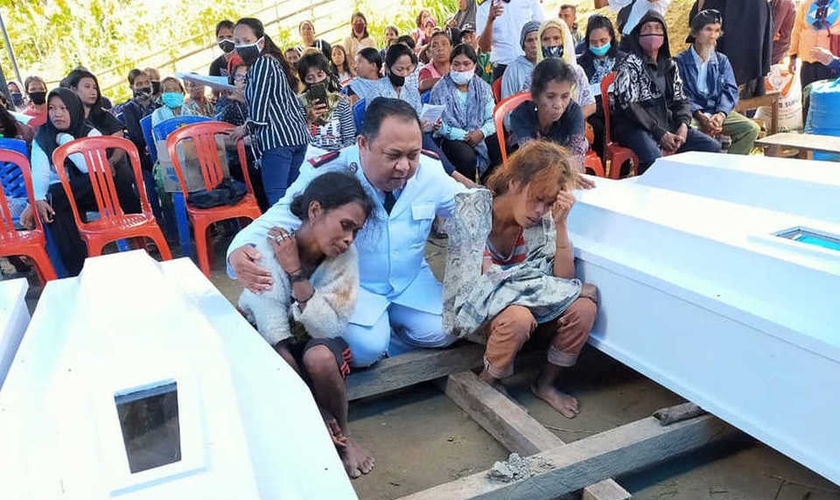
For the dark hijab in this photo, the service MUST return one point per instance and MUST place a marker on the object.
(47, 133)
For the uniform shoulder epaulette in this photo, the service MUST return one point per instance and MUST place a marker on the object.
(319, 161)
(430, 154)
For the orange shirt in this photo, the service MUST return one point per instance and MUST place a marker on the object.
(805, 37)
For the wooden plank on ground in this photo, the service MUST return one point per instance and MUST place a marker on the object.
(590, 460)
(413, 368)
(517, 430)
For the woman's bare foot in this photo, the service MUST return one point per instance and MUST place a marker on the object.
(357, 460)
(560, 401)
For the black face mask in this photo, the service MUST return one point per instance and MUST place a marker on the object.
(396, 81)
(227, 46)
(248, 53)
(549, 52)
(155, 87)
(143, 93)
(38, 98)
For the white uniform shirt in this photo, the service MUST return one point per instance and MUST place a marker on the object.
(392, 259)
(507, 28)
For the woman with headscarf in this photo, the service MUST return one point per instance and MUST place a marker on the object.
(555, 40)
(517, 76)
(468, 135)
(600, 55)
(652, 112)
(66, 122)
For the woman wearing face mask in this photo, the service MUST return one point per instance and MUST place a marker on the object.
(139, 107)
(67, 122)
(36, 90)
(551, 114)
(331, 124)
(172, 100)
(468, 135)
(598, 59)
(16, 95)
(359, 37)
(555, 40)
(154, 77)
(652, 113)
(235, 112)
(276, 120)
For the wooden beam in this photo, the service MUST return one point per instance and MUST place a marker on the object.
(413, 368)
(590, 460)
(513, 427)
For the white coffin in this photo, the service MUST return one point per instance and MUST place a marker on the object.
(699, 294)
(248, 425)
(14, 316)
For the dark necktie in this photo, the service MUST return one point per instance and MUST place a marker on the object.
(390, 199)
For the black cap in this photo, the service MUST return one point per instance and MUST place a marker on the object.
(467, 28)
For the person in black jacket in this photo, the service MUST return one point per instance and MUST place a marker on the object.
(599, 57)
(652, 112)
(137, 108)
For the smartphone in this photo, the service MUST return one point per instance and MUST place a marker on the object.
(317, 92)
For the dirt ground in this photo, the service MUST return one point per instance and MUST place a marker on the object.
(421, 439)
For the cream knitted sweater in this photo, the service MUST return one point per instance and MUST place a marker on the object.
(336, 284)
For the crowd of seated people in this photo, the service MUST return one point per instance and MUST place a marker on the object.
(322, 174)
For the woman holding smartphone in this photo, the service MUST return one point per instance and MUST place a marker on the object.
(329, 114)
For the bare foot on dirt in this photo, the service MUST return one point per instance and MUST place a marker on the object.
(560, 401)
(357, 460)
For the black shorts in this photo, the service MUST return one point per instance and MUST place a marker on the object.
(337, 345)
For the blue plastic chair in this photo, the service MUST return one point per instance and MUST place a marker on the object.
(146, 126)
(13, 185)
(359, 114)
(179, 203)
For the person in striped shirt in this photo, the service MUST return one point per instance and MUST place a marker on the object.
(276, 120)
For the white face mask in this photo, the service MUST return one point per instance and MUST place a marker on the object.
(461, 77)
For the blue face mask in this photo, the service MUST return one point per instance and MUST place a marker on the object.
(172, 100)
(549, 52)
(600, 51)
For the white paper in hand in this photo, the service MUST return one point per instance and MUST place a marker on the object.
(431, 113)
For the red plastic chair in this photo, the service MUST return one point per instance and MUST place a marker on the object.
(593, 163)
(113, 224)
(497, 89)
(33, 243)
(203, 137)
(500, 112)
(614, 154)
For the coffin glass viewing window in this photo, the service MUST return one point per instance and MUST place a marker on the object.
(150, 427)
(810, 237)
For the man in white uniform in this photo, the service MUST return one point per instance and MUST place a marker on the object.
(398, 293)
(499, 24)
